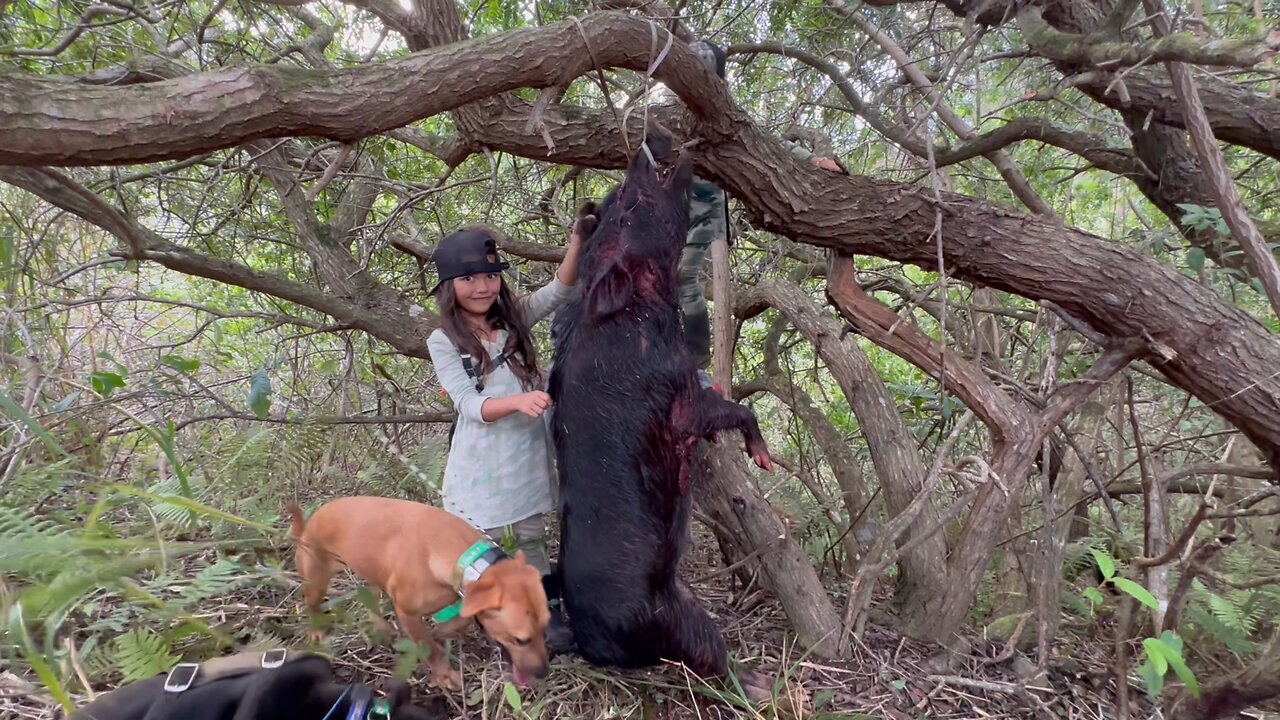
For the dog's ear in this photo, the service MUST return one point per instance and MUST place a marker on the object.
(483, 594)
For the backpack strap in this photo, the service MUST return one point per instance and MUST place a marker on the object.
(470, 367)
(468, 364)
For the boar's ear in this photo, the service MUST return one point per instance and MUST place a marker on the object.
(611, 292)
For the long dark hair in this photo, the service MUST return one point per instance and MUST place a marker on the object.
(505, 314)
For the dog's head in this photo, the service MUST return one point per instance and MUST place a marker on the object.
(509, 603)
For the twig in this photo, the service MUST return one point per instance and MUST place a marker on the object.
(74, 656)
(329, 172)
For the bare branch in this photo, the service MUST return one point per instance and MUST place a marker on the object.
(407, 332)
(90, 14)
(442, 416)
(882, 326)
(1098, 51)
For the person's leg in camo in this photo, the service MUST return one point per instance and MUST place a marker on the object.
(707, 222)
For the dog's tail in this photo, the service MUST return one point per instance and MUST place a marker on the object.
(299, 522)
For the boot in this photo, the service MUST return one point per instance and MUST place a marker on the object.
(559, 636)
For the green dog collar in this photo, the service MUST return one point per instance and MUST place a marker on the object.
(380, 709)
(471, 565)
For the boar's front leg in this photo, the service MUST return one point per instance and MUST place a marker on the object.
(712, 413)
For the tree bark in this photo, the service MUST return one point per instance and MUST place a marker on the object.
(727, 493)
(899, 468)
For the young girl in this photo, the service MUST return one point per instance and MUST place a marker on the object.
(498, 475)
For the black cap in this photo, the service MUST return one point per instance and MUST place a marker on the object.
(466, 252)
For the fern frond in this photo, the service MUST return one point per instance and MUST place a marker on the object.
(141, 654)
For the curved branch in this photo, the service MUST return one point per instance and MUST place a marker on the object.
(1093, 148)
(405, 330)
(90, 13)
(1102, 52)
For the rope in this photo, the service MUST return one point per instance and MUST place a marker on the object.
(654, 64)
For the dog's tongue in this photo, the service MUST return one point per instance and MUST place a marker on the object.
(519, 676)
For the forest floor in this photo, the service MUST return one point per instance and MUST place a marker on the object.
(886, 676)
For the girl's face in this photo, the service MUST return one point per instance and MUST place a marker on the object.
(477, 293)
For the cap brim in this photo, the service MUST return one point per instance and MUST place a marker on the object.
(473, 268)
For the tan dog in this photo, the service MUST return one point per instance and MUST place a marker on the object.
(411, 552)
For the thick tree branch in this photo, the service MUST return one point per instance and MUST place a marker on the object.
(1099, 50)
(47, 122)
(1237, 114)
(1216, 174)
(1094, 148)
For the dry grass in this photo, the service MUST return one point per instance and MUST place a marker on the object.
(886, 676)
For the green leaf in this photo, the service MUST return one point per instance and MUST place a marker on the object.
(409, 656)
(194, 506)
(1092, 594)
(1195, 259)
(65, 402)
(1105, 564)
(823, 697)
(143, 654)
(513, 697)
(1153, 680)
(898, 684)
(1170, 647)
(15, 411)
(260, 393)
(1138, 592)
(179, 363)
(1155, 654)
(104, 383)
(36, 659)
(1170, 638)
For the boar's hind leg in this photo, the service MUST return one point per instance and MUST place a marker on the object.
(690, 636)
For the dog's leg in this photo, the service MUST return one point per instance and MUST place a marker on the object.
(316, 573)
(437, 660)
(380, 625)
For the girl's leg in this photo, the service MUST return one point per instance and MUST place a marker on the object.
(531, 537)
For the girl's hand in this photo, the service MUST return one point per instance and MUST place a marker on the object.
(581, 227)
(532, 403)
(825, 163)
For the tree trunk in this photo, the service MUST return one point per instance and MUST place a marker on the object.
(893, 451)
(727, 492)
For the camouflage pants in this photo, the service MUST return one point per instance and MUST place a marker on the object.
(706, 223)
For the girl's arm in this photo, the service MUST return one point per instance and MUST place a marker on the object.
(567, 273)
(532, 403)
(541, 303)
(462, 389)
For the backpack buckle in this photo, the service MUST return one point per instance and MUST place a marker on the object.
(181, 677)
(274, 658)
